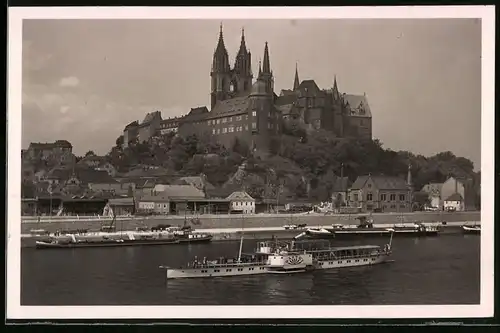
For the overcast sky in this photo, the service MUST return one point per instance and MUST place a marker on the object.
(84, 80)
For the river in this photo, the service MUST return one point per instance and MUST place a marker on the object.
(433, 270)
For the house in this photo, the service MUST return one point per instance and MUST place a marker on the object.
(433, 190)
(183, 198)
(384, 193)
(98, 163)
(154, 204)
(122, 206)
(200, 182)
(454, 202)
(462, 186)
(241, 201)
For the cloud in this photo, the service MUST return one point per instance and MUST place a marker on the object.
(70, 81)
(64, 109)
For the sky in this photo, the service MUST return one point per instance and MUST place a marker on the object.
(84, 80)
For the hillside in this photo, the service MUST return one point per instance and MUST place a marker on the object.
(300, 164)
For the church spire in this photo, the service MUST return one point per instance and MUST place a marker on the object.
(260, 68)
(408, 178)
(336, 94)
(296, 81)
(221, 58)
(266, 67)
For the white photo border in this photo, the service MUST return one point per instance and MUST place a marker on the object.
(15, 19)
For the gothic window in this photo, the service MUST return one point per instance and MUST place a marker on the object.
(401, 197)
(369, 197)
(382, 197)
(393, 197)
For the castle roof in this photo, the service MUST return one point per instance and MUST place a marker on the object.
(286, 99)
(229, 107)
(309, 87)
(135, 123)
(358, 105)
(196, 114)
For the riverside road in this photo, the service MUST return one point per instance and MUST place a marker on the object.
(52, 224)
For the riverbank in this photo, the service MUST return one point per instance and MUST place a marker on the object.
(262, 233)
(248, 221)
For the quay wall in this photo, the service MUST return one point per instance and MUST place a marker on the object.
(237, 221)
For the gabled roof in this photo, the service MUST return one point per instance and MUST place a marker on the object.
(135, 123)
(121, 201)
(229, 107)
(179, 191)
(155, 198)
(381, 182)
(309, 86)
(454, 197)
(358, 105)
(241, 196)
(150, 116)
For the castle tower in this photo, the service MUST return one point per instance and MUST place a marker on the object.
(296, 81)
(221, 72)
(267, 75)
(242, 79)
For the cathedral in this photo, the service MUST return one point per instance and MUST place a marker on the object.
(251, 110)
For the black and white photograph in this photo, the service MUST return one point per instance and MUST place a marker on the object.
(314, 158)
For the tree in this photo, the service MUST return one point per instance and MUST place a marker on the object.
(90, 153)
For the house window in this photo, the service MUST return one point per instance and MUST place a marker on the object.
(218, 121)
(268, 125)
(209, 122)
(224, 130)
(213, 131)
(246, 127)
(369, 185)
(238, 118)
(254, 125)
(402, 206)
(218, 131)
(383, 197)
(393, 197)
(356, 197)
(254, 113)
(401, 197)
(246, 117)
(224, 120)
(369, 197)
(230, 119)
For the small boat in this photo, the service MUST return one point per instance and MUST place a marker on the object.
(187, 235)
(471, 229)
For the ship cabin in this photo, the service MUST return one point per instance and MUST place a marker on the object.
(348, 252)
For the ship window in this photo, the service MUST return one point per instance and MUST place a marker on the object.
(373, 259)
(348, 261)
(356, 260)
(340, 262)
(228, 270)
(365, 259)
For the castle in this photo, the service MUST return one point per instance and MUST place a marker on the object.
(253, 112)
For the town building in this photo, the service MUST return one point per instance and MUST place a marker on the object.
(454, 202)
(381, 193)
(241, 202)
(60, 150)
(462, 186)
(122, 206)
(99, 163)
(340, 191)
(153, 204)
(253, 112)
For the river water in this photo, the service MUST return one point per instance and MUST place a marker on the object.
(434, 270)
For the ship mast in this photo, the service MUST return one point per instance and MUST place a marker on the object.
(241, 240)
